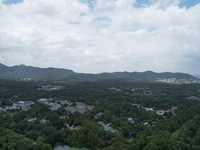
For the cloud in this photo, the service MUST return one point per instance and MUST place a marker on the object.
(101, 35)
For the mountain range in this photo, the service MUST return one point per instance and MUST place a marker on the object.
(23, 72)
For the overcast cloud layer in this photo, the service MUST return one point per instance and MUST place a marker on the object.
(101, 36)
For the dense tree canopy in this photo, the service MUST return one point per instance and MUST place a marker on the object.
(114, 102)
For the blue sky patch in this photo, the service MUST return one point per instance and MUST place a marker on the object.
(188, 3)
(11, 1)
(140, 3)
(91, 3)
(143, 3)
(183, 3)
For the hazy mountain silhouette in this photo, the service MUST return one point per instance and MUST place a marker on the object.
(21, 72)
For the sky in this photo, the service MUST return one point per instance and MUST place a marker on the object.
(94, 36)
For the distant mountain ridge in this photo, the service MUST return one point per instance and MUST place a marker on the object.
(21, 72)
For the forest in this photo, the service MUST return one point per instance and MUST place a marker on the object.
(99, 115)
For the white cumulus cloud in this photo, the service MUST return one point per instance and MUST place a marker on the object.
(114, 35)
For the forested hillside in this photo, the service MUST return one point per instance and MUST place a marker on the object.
(22, 72)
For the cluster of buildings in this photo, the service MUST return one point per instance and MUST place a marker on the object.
(50, 87)
(20, 105)
(145, 91)
(79, 107)
(178, 81)
(194, 98)
(42, 121)
(69, 106)
(64, 102)
(76, 107)
(115, 89)
(53, 106)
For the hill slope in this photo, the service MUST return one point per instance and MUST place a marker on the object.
(21, 72)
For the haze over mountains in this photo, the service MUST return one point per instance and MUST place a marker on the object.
(23, 72)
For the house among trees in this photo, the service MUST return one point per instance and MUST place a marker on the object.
(98, 115)
(130, 120)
